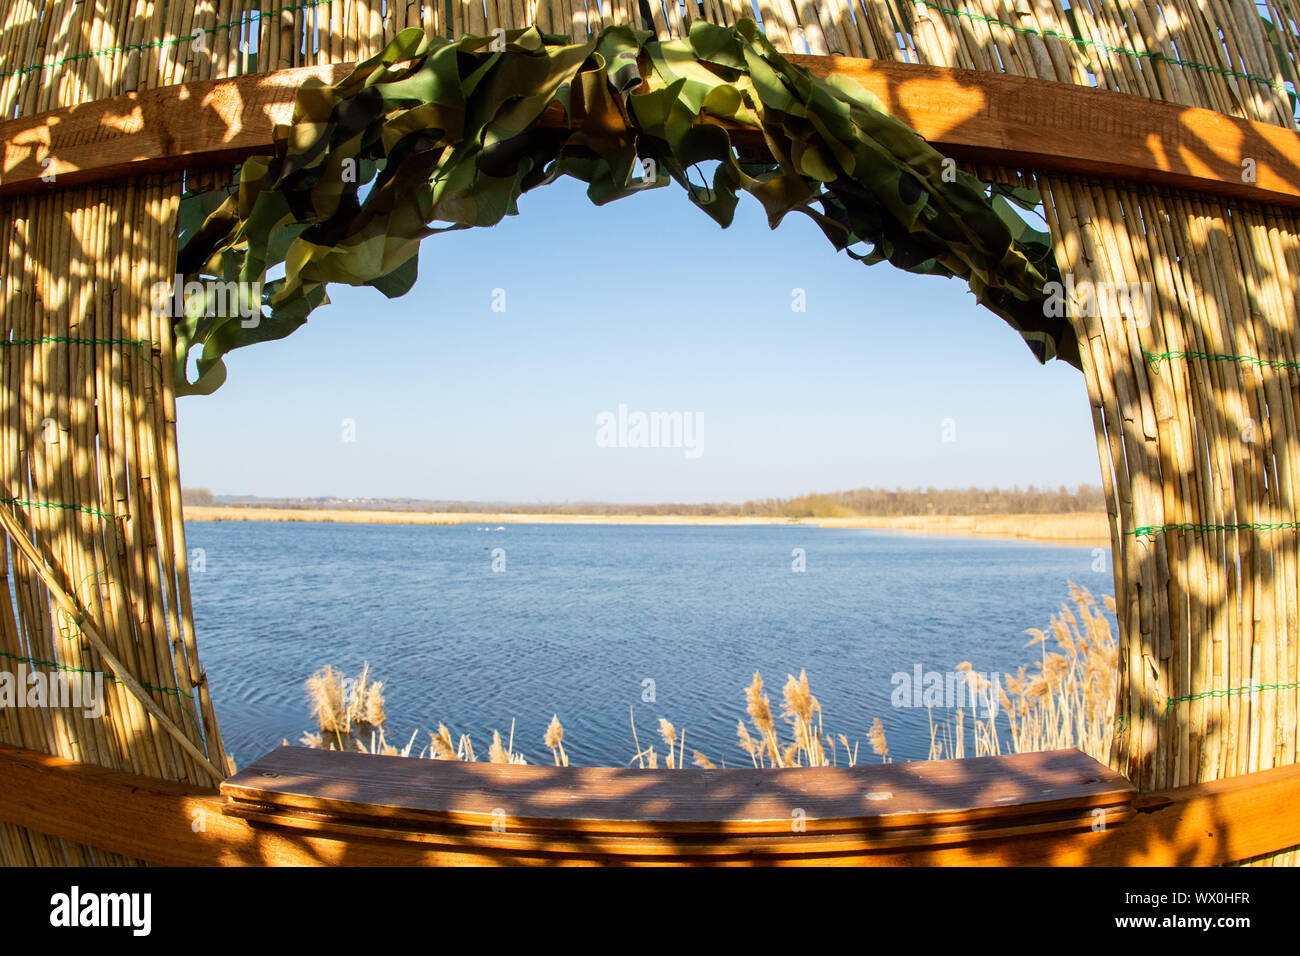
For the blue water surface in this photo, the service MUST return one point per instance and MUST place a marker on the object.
(582, 616)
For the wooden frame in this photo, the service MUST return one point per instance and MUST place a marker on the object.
(973, 116)
(168, 823)
(978, 117)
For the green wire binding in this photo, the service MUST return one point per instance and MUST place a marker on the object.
(257, 15)
(1154, 359)
(1101, 45)
(1122, 722)
(138, 344)
(60, 506)
(36, 661)
(158, 44)
(1150, 531)
(1225, 692)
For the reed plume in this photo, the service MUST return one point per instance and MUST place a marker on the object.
(876, 735)
(440, 745)
(496, 752)
(554, 738)
(759, 707)
(345, 717)
(1064, 699)
(669, 735)
(747, 743)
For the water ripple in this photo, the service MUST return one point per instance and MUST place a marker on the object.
(583, 615)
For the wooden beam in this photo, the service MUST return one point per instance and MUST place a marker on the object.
(1011, 120)
(977, 117)
(178, 824)
(168, 129)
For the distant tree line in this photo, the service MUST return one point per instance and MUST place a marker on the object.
(196, 496)
(933, 501)
(836, 504)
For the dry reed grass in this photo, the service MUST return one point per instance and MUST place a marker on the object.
(1064, 699)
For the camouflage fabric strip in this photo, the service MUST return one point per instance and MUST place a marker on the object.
(433, 135)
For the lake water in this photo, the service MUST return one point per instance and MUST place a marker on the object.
(582, 616)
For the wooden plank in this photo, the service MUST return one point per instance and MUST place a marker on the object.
(176, 127)
(999, 118)
(791, 846)
(174, 824)
(542, 799)
(974, 116)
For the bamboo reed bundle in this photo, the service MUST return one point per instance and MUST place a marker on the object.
(95, 569)
(1195, 439)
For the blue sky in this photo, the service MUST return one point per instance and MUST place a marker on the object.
(647, 303)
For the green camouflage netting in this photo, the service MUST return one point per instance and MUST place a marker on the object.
(432, 135)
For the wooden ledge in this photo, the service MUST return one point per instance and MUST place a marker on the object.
(978, 117)
(796, 812)
(317, 810)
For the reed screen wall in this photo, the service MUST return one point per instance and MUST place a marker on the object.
(1195, 410)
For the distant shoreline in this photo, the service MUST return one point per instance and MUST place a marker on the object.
(1075, 528)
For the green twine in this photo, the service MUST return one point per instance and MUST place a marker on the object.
(159, 44)
(1122, 723)
(82, 613)
(81, 616)
(1225, 692)
(60, 506)
(1150, 531)
(1102, 45)
(1154, 359)
(1230, 692)
(35, 661)
(139, 344)
(258, 15)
